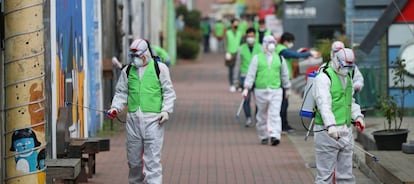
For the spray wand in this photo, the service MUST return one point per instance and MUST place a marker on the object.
(92, 108)
(374, 158)
(239, 109)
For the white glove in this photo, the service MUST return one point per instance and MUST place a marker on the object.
(112, 113)
(360, 124)
(245, 92)
(163, 117)
(227, 56)
(116, 63)
(333, 132)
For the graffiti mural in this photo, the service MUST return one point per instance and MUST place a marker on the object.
(25, 155)
(70, 73)
(37, 110)
(24, 142)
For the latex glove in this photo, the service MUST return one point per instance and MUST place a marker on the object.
(116, 63)
(360, 124)
(227, 56)
(163, 117)
(111, 113)
(287, 93)
(245, 93)
(333, 132)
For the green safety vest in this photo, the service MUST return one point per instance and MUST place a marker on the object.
(163, 54)
(242, 27)
(219, 29)
(204, 28)
(279, 48)
(145, 93)
(227, 24)
(246, 56)
(256, 24)
(233, 41)
(341, 100)
(268, 77)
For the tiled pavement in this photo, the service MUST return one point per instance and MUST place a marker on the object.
(205, 143)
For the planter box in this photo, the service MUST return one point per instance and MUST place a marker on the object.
(390, 140)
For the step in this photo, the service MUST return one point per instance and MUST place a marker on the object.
(393, 166)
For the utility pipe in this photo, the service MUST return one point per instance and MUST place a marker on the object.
(24, 84)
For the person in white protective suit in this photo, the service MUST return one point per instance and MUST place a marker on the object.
(356, 75)
(332, 91)
(269, 72)
(146, 87)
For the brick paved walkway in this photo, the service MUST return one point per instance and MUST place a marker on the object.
(204, 143)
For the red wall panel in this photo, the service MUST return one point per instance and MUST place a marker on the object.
(408, 12)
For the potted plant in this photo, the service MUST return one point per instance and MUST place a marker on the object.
(392, 136)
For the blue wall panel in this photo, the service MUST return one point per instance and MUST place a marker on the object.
(409, 99)
(392, 54)
(94, 78)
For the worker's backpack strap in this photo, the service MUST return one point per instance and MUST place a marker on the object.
(157, 69)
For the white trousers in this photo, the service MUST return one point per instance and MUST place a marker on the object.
(334, 157)
(268, 103)
(144, 141)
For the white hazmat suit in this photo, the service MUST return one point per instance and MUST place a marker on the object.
(145, 131)
(268, 100)
(334, 148)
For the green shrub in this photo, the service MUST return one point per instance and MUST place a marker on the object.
(188, 49)
(181, 10)
(193, 19)
(190, 34)
(324, 46)
(188, 40)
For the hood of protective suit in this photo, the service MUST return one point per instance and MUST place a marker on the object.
(335, 47)
(139, 47)
(344, 61)
(269, 44)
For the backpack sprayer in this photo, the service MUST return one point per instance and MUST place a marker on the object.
(308, 106)
(308, 111)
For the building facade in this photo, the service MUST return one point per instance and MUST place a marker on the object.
(311, 20)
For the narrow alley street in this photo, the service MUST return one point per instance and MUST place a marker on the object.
(204, 143)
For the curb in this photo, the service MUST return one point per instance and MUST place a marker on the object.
(359, 159)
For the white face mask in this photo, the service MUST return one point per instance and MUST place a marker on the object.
(138, 62)
(271, 47)
(340, 68)
(343, 71)
(250, 40)
(290, 45)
